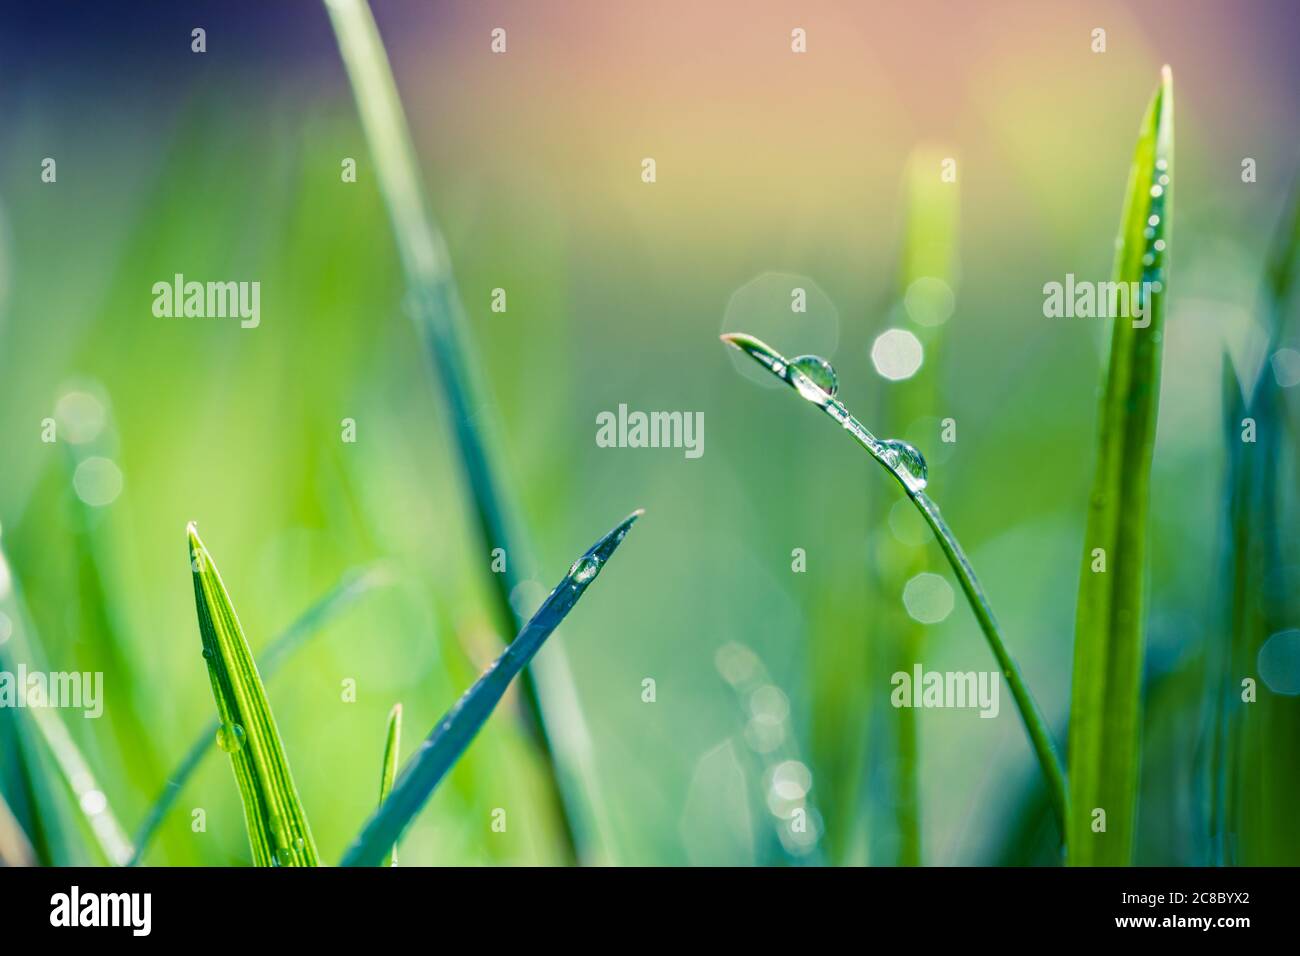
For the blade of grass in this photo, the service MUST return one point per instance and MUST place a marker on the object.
(1250, 823)
(27, 785)
(73, 769)
(907, 467)
(310, 623)
(278, 832)
(15, 848)
(454, 732)
(388, 773)
(929, 256)
(1105, 712)
(439, 318)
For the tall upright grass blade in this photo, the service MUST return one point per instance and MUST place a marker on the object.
(549, 700)
(278, 832)
(928, 269)
(1105, 713)
(388, 773)
(814, 380)
(457, 728)
(1255, 754)
(310, 623)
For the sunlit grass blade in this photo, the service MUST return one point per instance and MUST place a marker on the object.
(278, 832)
(814, 380)
(310, 623)
(1105, 713)
(388, 773)
(457, 728)
(439, 317)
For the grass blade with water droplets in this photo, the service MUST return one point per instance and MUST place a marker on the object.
(388, 773)
(277, 826)
(310, 623)
(1105, 711)
(815, 381)
(458, 727)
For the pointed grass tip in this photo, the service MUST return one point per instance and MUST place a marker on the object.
(602, 549)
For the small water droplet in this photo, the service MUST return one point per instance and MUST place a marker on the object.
(814, 378)
(207, 653)
(230, 738)
(908, 462)
(284, 856)
(584, 569)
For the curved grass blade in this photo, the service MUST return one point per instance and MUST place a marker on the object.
(1105, 711)
(388, 773)
(310, 623)
(814, 380)
(440, 319)
(277, 826)
(457, 728)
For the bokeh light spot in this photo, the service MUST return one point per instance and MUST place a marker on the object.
(897, 354)
(928, 598)
(98, 481)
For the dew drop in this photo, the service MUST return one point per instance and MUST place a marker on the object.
(284, 856)
(814, 378)
(584, 569)
(230, 738)
(908, 462)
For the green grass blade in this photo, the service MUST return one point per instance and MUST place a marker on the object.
(73, 769)
(457, 728)
(907, 467)
(388, 772)
(308, 624)
(1105, 713)
(277, 826)
(15, 848)
(439, 317)
(26, 784)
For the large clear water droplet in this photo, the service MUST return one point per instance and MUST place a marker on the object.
(907, 462)
(230, 738)
(584, 569)
(814, 377)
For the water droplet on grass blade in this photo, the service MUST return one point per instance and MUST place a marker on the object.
(907, 462)
(584, 569)
(230, 738)
(814, 377)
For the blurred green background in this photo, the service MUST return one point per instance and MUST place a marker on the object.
(775, 171)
